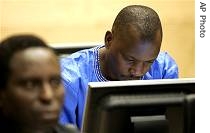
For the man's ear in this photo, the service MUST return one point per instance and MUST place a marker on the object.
(108, 38)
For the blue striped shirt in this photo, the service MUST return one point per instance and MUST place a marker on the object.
(82, 67)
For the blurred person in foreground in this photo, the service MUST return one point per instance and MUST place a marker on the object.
(31, 91)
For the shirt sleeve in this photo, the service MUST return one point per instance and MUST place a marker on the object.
(68, 111)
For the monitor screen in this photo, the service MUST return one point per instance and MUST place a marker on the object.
(140, 106)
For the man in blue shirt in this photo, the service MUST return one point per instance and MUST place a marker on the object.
(131, 51)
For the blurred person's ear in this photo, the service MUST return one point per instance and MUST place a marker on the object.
(2, 99)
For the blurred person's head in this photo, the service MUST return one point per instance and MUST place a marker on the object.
(133, 43)
(31, 93)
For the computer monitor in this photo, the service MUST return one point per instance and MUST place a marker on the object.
(140, 106)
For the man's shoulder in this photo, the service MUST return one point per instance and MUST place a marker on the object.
(79, 65)
(80, 56)
(163, 67)
(164, 57)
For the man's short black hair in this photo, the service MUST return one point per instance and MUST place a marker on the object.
(143, 18)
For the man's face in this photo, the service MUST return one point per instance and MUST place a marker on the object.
(34, 92)
(130, 57)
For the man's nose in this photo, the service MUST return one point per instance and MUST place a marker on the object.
(46, 93)
(137, 69)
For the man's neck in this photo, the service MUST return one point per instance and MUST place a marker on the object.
(104, 64)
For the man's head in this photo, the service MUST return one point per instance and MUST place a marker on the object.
(31, 93)
(133, 43)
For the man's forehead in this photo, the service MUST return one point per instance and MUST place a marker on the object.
(32, 55)
(33, 60)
